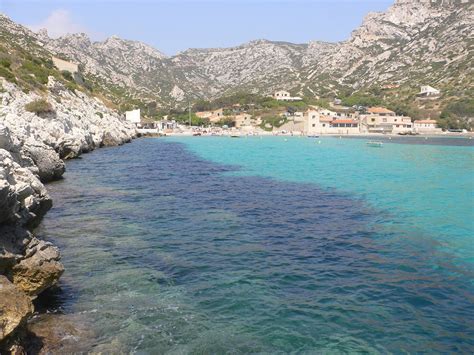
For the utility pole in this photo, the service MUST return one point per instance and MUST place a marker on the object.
(189, 112)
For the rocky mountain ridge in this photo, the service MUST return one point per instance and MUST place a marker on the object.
(414, 42)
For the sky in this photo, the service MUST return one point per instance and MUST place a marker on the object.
(173, 26)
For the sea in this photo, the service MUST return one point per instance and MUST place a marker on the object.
(268, 245)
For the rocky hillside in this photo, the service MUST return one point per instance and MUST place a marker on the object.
(414, 42)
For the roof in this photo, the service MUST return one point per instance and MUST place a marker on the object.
(325, 118)
(344, 121)
(426, 121)
(379, 110)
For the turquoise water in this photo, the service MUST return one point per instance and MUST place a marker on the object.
(218, 245)
(424, 188)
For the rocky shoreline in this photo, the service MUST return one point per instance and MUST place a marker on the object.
(33, 148)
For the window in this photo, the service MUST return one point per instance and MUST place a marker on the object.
(395, 120)
(373, 120)
(385, 120)
(324, 124)
(314, 124)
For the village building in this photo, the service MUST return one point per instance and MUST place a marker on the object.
(166, 126)
(134, 117)
(317, 123)
(312, 123)
(343, 113)
(428, 91)
(283, 95)
(426, 126)
(295, 116)
(383, 120)
(345, 126)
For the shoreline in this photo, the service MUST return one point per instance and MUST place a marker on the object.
(33, 151)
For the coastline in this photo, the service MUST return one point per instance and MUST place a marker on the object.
(33, 149)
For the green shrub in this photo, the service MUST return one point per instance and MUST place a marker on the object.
(40, 73)
(71, 86)
(361, 100)
(67, 75)
(5, 62)
(100, 114)
(458, 115)
(40, 106)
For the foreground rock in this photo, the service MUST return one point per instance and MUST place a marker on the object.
(15, 308)
(32, 149)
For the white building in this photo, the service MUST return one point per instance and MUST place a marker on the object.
(428, 91)
(133, 116)
(283, 95)
(317, 123)
(426, 126)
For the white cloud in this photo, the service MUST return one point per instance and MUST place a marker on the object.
(59, 23)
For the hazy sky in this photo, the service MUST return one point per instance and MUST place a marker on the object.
(173, 26)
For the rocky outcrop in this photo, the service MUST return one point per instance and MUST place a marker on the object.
(32, 149)
(15, 308)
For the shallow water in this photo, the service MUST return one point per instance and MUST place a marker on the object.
(219, 245)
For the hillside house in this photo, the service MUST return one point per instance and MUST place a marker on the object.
(428, 91)
(283, 95)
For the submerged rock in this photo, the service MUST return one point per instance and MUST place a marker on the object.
(59, 334)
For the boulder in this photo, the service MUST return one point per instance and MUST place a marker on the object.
(15, 308)
(39, 269)
(50, 166)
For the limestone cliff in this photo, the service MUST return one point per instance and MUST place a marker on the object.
(32, 149)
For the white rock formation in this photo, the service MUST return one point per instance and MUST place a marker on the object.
(31, 151)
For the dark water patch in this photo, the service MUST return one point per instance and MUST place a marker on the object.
(168, 253)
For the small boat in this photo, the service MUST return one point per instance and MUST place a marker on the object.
(376, 144)
(235, 135)
(196, 134)
(313, 136)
